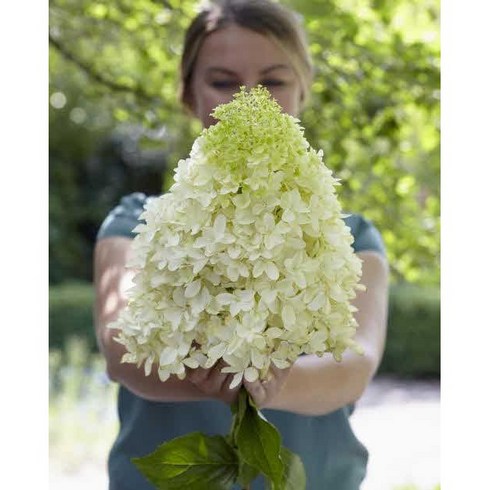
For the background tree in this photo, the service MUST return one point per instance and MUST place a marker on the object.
(116, 124)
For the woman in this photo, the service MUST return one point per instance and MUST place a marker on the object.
(235, 43)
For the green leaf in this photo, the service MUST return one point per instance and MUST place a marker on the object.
(246, 474)
(294, 471)
(194, 462)
(259, 443)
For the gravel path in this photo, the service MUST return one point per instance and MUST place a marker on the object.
(398, 422)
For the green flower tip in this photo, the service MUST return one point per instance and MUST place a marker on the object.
(247, 105)
(253, 124)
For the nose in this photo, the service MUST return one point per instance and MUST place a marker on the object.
(250, 84)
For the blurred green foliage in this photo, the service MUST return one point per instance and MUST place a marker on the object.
(413, 340)
(412, 348)
(71, 315)
(374, 110)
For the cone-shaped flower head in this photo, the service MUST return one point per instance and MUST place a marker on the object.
(247, 257)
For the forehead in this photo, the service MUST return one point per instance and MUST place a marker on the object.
(237, 49)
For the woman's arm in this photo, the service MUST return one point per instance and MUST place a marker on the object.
(112, 279)
(312, 386)
(316, 386)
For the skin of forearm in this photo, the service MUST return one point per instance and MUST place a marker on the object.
(148, 387)
(314, 385)
(111, 278)
(320, 385)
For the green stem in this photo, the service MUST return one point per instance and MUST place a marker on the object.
(237, 416)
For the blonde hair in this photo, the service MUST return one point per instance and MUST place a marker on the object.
(265, 17)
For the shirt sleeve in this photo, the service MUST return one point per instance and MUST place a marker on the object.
(122, 220)
(366, 235)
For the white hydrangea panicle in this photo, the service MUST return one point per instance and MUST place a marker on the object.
(246, 258)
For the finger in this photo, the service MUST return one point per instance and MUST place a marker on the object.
(279, 373)
(198, 375)
(213, 383)
(229, 380)
(226, 380)
(230, 395)
(217, 378)
(257, 391)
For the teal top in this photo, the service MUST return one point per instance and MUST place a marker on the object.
(333, 457)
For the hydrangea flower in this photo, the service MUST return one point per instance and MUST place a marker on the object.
(246, 258)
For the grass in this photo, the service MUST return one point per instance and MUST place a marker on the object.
(82, 408)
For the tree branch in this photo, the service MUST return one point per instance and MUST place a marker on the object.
(98, 77)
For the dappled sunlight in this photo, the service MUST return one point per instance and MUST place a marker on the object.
(112, 278)
(58, 100)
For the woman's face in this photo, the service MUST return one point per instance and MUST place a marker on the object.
(234, 56)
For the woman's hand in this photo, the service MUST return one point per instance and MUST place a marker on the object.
(263, 392)
(213, 383)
